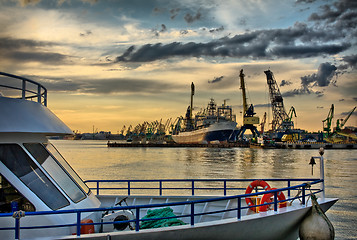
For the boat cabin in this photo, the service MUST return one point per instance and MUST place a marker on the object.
(34, 176)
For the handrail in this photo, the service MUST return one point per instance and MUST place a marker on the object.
(193, 187)
(192, 203)
(40, 94)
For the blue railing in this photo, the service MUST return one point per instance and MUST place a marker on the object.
(40, 92)
(136, 209)
(129, 188)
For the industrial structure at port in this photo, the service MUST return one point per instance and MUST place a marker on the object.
(218, 124)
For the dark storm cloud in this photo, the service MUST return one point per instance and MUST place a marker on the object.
(183, 32)
(157, 32)
(23, 50)
(163, 28)
(192, 18)
(104, 86)
(86, 33)
(216, 79)
(7, 43)
(264, 44)
(329, 32)
(309, 51)
(43, 57)
(120, 85)
(351, 61)
(324, 77)
(339, 10)
(338, 18)
(285, 83)
(212, 30)
(174, 12)
(305, 1)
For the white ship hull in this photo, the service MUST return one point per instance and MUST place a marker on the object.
(219, 131)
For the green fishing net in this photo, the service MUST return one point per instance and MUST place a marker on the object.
(160, 213)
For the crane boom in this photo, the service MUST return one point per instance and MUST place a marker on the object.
(340, 123)
(279, 114)
(242, 87)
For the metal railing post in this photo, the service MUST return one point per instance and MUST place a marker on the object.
(225, 188)
(23, 89)
(129, 188)
(289, 184)
(39, 94)
(192, 214)
(193, 187)
(322, 175)
(303, 195)
(239, 210)
(137, 223)
(160, 182)
(275, 201)
(45, 97)
(17, 228)
(78, 223)
(97, 187)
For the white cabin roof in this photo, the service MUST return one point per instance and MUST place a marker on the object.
(23, 116)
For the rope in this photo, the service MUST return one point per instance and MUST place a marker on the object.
(160, 213)
(18, 214)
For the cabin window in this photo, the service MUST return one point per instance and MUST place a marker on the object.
(56, 171)
(66, 166)
(17, 161)
(9, 194)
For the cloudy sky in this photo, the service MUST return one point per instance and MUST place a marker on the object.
(109, 63)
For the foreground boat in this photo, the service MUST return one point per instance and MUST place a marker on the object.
(41, 196)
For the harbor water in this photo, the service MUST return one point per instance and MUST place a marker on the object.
(94, 160)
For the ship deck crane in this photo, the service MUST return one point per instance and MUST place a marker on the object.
(248, 112)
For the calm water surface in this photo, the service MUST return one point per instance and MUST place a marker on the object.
(94, 160)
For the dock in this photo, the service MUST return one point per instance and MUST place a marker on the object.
(178, 145)
(316, 145)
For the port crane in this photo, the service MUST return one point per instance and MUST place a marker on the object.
(248, 112)
(281, 120)
(326, 124)
(340, 123)
(290, 116)
(262, 124)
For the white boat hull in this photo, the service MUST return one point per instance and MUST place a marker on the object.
(282, 224)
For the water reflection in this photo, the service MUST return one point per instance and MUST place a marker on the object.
(93, 160)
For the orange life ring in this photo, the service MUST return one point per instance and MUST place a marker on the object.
(266, 199)
(250, 188)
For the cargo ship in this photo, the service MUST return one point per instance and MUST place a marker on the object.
(212, 125)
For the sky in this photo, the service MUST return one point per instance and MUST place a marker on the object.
(110, 63)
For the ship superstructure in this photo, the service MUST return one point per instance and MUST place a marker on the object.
(213, 124)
